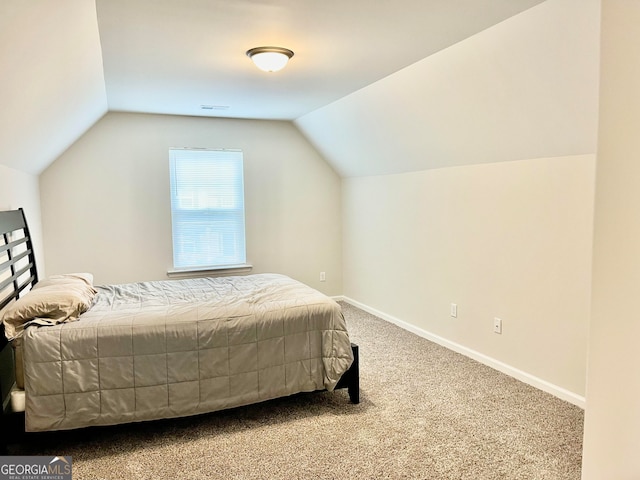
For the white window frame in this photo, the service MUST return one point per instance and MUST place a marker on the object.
(207, 211)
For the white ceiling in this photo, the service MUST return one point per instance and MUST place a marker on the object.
(172, 56)
(64, 64)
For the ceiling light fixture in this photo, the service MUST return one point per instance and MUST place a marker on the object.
(270, 59)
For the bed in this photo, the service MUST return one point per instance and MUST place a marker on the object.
(105, 355)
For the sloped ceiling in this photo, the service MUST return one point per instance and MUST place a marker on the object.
(65, 63)
(526, 88)
(52, 83)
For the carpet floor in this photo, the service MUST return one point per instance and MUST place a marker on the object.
(425, 413)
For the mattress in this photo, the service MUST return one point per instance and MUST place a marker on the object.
(173, 348)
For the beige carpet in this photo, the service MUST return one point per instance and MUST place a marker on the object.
(425, 413)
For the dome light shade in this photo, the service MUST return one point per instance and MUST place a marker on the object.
(270, 59)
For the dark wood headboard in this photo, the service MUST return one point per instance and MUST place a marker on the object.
(18, 274)
(17, 259)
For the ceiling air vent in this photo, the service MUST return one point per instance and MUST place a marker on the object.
(214, 107)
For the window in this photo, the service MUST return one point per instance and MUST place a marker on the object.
(207, 209)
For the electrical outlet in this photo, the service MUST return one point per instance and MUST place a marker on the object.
(497, 325)
(454, 310)
(323, 277)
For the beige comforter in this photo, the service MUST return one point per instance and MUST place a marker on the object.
(174, 348)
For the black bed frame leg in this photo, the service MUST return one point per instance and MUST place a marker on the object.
(354, 379)
(351, 378)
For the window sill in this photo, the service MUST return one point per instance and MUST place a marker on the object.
(210, 271)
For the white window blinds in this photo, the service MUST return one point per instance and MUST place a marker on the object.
(207, 208)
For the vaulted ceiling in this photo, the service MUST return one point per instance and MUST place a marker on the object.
(66, 63)
(172, 56)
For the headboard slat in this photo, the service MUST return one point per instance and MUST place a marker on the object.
(16, 276)
(15, 259)
(13, 244)
(6, 282)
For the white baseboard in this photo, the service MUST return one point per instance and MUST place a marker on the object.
(525, 377)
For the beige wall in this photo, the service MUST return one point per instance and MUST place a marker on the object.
(106, 206)
(612, 421)
(509, 240)
(485, 153)
(20, 190)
